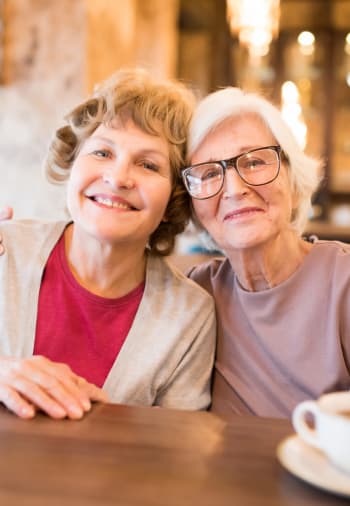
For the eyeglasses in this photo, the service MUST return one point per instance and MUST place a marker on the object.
(255, 167)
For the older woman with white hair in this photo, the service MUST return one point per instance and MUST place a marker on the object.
(283, 304)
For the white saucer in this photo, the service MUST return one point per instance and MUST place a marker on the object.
(312, 466)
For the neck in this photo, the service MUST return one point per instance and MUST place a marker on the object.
(269, 264)
(104, 269)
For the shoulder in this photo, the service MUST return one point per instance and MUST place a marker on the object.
(334, 246)
(19, 235)
(329, 261)
(170, 279)
(331, 251)
(212, 272)
(30, 227)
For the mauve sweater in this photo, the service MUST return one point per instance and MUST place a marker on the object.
(283, 345)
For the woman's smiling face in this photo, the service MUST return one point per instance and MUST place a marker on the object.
(120, 184)
(243, 216)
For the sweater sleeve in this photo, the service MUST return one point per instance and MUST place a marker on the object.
(189, 385)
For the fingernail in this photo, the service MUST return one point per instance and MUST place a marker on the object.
(86, 404)
(59, 411)
(76, 411)
(27, 411)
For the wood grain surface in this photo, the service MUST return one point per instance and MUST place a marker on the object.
(128, 456)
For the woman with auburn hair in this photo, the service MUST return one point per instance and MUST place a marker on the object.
(90, 309)
(283, 303)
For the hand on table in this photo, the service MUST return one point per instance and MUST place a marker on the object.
(30, 384)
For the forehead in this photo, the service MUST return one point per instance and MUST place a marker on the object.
(232, 137)
(128, 133)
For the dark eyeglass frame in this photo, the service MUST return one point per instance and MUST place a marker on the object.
(232, 162)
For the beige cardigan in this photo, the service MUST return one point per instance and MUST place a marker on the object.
(168, 355)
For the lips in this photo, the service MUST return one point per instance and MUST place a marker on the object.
(242, 213)
(111, 202)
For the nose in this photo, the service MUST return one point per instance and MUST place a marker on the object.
(233, 184)
(119, 174)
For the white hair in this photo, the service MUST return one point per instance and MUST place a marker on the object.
(304, 171)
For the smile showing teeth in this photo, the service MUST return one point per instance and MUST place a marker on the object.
(110, 203)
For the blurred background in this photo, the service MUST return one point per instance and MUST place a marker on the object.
(296, 52)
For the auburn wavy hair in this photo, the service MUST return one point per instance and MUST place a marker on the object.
(158, 107)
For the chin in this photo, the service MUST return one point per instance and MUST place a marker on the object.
(249, 236)
(100, 232)
(243, 243)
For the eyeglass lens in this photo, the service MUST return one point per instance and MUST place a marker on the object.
(257, 167)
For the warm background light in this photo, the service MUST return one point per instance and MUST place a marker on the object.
(256, 23)
(347, 44)
(292, 112)
(306, 41)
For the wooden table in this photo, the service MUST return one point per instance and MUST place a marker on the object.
(124, 456)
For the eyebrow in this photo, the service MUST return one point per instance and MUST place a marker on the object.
(244, 149)
(101, 138)
(146, 151)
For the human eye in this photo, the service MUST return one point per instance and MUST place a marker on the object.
(252, 162)
(209, 172)
(102, 153)
(146, 164)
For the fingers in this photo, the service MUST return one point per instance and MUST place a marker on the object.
(85, 390)
(15, 403)
(93, 392)
(49, 386)
(61, 384)
(24, 398)
(42, 398)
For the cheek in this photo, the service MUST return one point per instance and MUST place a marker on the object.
(165, 200)
(199, 211)
(78, 175)
(73, 188)
(156, 195)
(279, 200)
(70, 201)
(205, 209)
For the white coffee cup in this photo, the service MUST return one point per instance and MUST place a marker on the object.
(331, 432)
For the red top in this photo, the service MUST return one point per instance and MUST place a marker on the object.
(74, 326)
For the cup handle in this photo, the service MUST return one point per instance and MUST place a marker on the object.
(298, 419)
